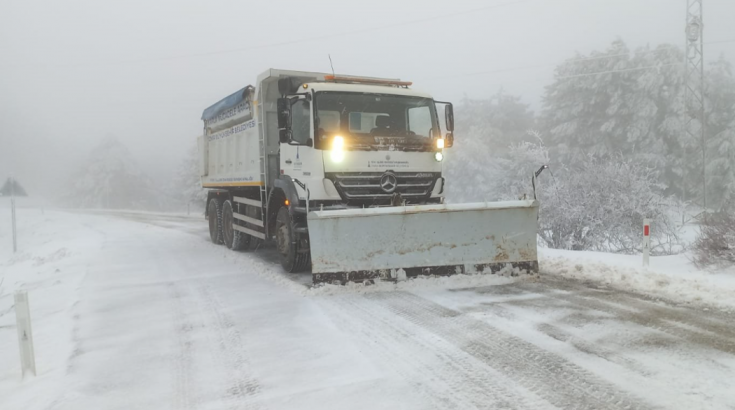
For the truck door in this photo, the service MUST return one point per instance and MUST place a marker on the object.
(292, 160)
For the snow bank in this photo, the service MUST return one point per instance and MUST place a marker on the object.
(50, 265)
(674, 278)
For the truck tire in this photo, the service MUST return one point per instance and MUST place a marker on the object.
(214, 215)
(292, 260)
(232, 239)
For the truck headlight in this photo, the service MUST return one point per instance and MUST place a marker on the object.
(438, 157)
(338, 149)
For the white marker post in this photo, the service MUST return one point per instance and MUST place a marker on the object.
(646, 240)
(25, 335)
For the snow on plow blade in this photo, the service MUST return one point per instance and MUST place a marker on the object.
(390, 242)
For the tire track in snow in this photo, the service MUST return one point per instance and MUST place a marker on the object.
(666, 324)
(223, 341)
(635, 340)
(185, 390)
(592, 348)
(444, 374)
(230, 351)
(77, 349)
(561, 383)
(711, 321)
(554, 332)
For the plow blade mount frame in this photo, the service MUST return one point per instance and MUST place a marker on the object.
(392, 243)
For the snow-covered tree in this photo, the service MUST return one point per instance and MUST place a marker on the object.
(631, 103)
(595, 203)
(618, 102)
(599, 204)
(111, 178)
(515, 168)
(715, 243)
(721, 135)
(588, 104)
(485, 131)
(500, 120)
(188, 182)
(655, 136)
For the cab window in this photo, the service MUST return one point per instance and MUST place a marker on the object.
(300, 121)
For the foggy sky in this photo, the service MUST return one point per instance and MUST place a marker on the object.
(73, 72)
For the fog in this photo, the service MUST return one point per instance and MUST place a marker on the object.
(74, 72)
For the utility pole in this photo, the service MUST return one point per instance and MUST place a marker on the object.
(694, 90)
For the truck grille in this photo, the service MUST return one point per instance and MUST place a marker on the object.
(366, 186)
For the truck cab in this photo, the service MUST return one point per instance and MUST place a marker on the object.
(362, 142)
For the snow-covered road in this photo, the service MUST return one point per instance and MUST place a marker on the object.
(134, 310)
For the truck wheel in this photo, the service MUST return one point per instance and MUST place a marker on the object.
(292, 260)
(214, 212)
(232, 239)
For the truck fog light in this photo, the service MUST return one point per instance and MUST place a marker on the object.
(438, 156)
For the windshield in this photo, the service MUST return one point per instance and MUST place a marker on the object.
(376, 118)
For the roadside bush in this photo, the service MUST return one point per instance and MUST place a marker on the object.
(594, 203)
(476, 173)
(715, 244)
(599, 205)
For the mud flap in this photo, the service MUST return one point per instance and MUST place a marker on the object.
(390, 242)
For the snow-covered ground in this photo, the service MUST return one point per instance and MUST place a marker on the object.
(670, 277)
(136, 310)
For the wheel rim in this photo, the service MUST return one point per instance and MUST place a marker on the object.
(227, 230)
(282, 238)
(212, 220)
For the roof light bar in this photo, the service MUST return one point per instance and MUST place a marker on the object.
(362, 80)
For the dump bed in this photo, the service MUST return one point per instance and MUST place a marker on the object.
(228, 148)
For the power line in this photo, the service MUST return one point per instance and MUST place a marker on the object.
(298, 41)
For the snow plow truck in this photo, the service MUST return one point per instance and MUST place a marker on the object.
(344, 175)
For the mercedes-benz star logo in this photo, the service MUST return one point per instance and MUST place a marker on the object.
(388, 182)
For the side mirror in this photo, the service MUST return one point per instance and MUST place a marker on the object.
(449, 117)
(283, 106)
(449, 140)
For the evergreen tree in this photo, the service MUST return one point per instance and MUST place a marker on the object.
(485, 131)
(500, 121)
(111, 178)
(188, 182)
(655, 134)
(590, 103)
(619, 102)
(720, 131)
